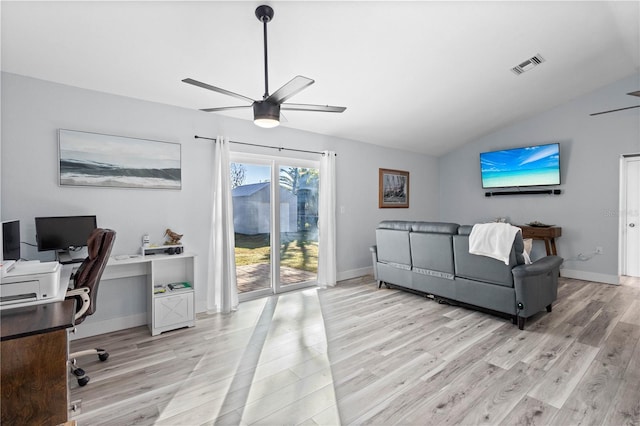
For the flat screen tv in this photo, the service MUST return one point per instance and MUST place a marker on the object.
(63, 233)
(537, 165)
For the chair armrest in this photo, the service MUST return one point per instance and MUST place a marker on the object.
(77, 292)
(536, 284)
(83, 293)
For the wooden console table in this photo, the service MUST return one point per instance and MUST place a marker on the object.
(34, 363)
(547, 234)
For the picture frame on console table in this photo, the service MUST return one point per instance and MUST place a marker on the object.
(393, 189)
(94, 159)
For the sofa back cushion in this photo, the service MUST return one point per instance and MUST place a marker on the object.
(432, 248)
(435, 227)
(392, 239)
(432, 254)
(482, 268)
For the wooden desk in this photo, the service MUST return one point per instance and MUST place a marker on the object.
(548, 235)
(34, 351)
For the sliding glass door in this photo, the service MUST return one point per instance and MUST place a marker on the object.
(276, 226)
(298, 225)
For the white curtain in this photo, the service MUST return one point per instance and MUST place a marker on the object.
(327, 220)
(222, 293)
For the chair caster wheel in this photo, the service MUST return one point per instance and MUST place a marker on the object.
(103, 356)
(82, 381)
(79, 372)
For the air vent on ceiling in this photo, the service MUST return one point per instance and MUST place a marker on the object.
(528, 64)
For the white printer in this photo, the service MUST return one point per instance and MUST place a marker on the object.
(29, 281)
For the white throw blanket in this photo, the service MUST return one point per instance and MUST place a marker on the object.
(492, 240)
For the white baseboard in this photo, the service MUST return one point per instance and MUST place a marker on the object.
(93, 328)
(590, 276)
(354, 273)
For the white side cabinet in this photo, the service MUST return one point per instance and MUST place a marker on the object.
(175, 308)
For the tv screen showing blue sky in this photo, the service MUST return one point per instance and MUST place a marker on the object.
(528, 166)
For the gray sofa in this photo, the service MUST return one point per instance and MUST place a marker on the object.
(433, 258)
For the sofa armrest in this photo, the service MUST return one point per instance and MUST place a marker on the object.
(539, 267)
(536, 285)
(374, 259)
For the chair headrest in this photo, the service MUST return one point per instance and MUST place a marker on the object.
(94, 241)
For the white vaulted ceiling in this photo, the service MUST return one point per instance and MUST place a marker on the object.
(421, 76)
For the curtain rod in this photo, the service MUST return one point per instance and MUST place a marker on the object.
(279, 148)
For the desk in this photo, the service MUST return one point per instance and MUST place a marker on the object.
(547, 234)
(165, 311)
(34, 353)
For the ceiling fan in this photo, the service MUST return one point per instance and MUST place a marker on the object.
(636, 93)
(266, 112)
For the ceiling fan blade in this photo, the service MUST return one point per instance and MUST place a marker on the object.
(636, 93)
(216, 89)
(614, 110)
(307, 107)
(295, 85)
(229, 108)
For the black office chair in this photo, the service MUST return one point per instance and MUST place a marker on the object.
(85, 290)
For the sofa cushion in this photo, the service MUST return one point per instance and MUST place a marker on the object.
(528, 246)
(398, 225)
(432, 254)
(481, 268)
(393, 247)
(435, 227)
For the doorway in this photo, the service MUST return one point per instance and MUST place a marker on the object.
(275, 216)
(629, 262)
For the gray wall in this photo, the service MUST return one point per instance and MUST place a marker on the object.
(33, 110)
(590, 148)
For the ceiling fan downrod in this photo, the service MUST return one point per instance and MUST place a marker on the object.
(264, 14)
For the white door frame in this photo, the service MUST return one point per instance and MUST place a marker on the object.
(625, 159)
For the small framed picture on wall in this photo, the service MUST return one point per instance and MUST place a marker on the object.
(393, 189)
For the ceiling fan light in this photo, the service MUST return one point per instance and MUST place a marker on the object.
(266, 114)
(266, 123)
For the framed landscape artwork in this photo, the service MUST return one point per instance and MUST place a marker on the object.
(393, 189)
(93, 159)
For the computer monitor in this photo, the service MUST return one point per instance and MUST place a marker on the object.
(63, 233)
(11, 240)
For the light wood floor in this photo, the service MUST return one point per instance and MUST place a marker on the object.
(354, 354)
